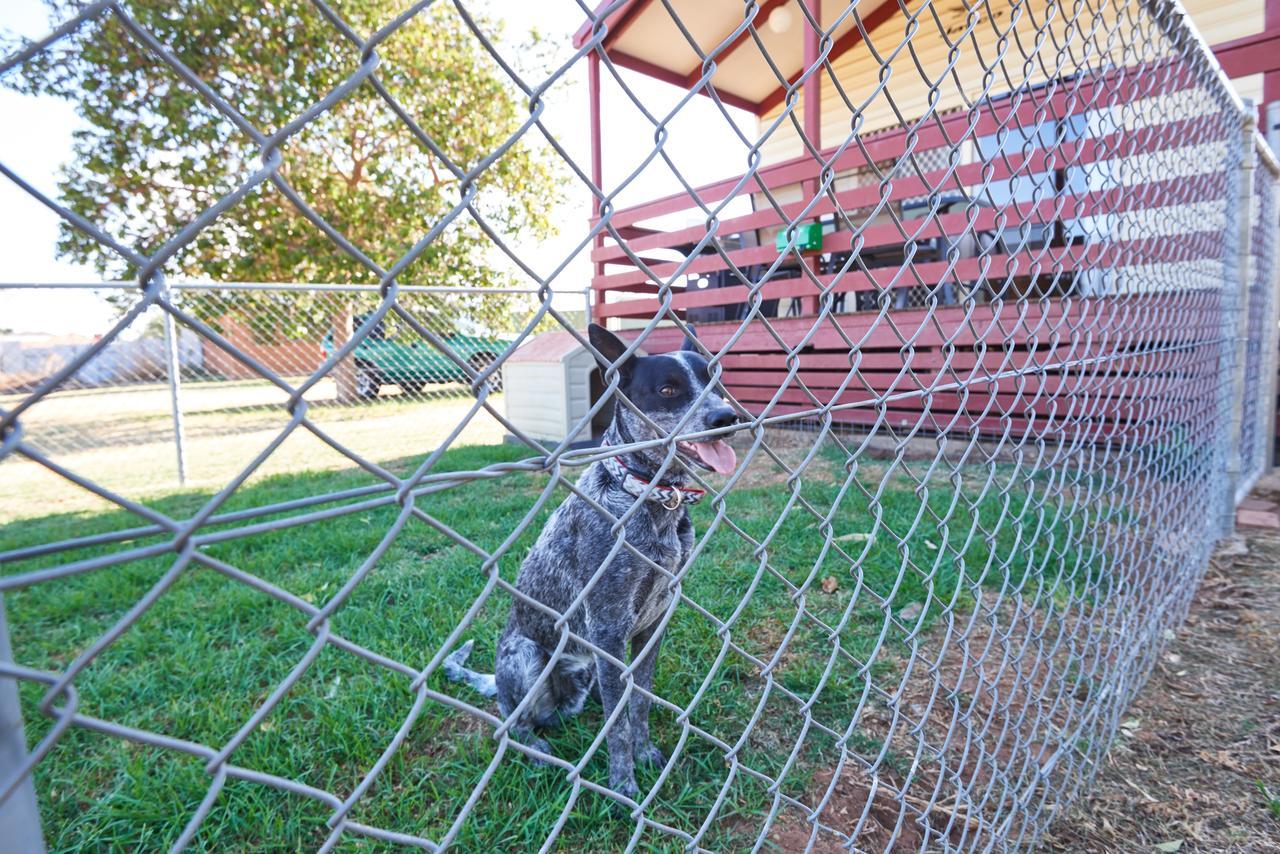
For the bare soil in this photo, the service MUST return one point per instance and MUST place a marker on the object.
(1197, 766)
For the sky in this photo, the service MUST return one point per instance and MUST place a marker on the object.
(39, 144)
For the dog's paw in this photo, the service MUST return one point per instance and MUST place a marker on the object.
(538, 744)
(647, 754)
(628, 789)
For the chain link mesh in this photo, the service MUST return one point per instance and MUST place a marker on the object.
(992, 428)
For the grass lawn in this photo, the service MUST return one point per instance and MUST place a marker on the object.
(211, 650)
(122, 438)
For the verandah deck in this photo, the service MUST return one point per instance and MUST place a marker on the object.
(1088, 370)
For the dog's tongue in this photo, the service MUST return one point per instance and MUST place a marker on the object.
(718, 455)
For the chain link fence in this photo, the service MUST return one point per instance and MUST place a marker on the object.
(1004, 363)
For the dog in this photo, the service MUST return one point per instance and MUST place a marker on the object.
(626, 604)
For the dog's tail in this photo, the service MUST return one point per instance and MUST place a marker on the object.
(456, 670)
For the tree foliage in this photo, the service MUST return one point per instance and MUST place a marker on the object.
(154, 153)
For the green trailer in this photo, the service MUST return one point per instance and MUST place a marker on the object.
(384, 358)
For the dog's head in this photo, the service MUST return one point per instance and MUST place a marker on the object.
(665, 388)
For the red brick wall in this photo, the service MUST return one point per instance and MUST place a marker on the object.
(286, 357)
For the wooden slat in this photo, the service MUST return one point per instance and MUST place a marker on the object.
(1053, 102)
(1100, 425)
(1113, 200)
(1163, 357)
(1154, 362)
(977, 381)
(1016, 163)
(995, 269)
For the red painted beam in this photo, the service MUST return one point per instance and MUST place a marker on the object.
(1271, 80)
(1255, 54)
(597, 154)
(597, 160)
(813, 85)
(873, 19)
(617, 21)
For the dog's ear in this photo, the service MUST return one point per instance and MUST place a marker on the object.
(609, 348)
(690, 340)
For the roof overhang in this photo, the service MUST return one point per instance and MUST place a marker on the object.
(755, 54)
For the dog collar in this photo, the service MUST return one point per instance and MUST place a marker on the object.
(670, 497)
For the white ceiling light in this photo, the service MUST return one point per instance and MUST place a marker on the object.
(780, 20)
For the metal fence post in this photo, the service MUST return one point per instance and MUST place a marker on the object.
(1269, 169)
(20, 814)
(173, 367)
(1236, 314)
(1272, 130)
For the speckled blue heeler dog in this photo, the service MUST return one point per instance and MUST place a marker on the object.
(628, 601)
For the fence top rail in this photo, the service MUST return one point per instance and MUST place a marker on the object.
(1200, 49)
(301, 287)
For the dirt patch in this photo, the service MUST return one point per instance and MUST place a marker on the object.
(1202, 740)
(946, 730)
(875, 819)
(789, 448)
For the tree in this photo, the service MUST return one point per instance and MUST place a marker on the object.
(155, 153)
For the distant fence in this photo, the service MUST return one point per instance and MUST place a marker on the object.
(27, 359)
(287, 329)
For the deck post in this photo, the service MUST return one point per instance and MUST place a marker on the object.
(597, 177)
(812, 92)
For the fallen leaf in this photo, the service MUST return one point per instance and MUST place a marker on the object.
(1170, 846)
(830, 585)
(1233, 547)
(911, 611)
(857, 537)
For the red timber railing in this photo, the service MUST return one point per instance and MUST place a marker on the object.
(1062, 221)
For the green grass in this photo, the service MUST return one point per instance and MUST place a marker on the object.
(1270, 801)
(122, 438)
(210, 651)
